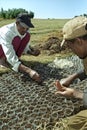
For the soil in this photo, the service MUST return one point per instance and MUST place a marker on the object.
(51, 46)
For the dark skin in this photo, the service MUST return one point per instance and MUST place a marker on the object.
(32, 73)
(79, 47)
(22, 30)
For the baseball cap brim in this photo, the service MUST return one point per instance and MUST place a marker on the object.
(27, 26)
(27, 23)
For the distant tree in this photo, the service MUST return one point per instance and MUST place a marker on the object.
(85, 15)
(12, 13)
(2, 13)
(8, 14)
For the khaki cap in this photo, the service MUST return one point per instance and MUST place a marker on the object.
(74, 28)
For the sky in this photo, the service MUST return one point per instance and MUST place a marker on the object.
(48, 8)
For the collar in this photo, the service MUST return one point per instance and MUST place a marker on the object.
(22, 36)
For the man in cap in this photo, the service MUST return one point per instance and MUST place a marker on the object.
(75, 37)
(14, 40)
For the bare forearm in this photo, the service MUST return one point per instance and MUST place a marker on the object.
(67, 81)
(81, 75)
(23, 68)
(78, 94)
(73, 77)
(32, 73)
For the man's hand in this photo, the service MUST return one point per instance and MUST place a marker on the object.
(35, 76)
(34, 52)
(32, 73)
(64, 91)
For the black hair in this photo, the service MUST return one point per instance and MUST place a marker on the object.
(84, 37)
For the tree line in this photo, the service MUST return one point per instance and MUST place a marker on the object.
(85, 15)
(12, 13)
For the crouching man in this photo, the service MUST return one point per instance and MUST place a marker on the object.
(75, 37)
(14, 40)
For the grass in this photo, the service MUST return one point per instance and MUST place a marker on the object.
(5, 22)
(44, 59)
(45, 28)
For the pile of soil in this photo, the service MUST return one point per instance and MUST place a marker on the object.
(51, 46)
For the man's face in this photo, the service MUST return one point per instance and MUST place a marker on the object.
(21, 29)
(78, 46)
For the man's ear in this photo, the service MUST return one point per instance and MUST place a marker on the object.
(79, 40)
(17, 23)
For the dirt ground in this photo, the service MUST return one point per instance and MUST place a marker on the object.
(51, 46)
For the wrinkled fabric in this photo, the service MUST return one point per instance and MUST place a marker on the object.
(78, 121)
(85, 65)
(19, 45)
(12, 44)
